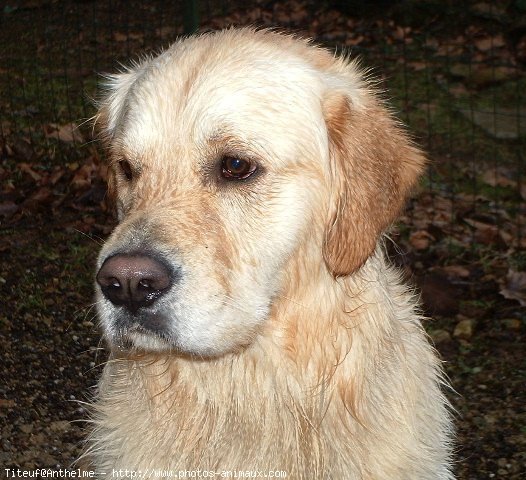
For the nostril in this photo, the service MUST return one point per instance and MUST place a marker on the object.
(146, 284)
(153, 281)
(110, 282)
(134, 280)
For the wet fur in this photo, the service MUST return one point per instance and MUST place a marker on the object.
(337, 378)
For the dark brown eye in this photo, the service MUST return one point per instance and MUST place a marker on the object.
(126, 169)
(237, 168)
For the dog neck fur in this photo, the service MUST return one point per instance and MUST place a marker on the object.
(251, 400)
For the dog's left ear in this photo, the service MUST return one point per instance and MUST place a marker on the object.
(374, 166)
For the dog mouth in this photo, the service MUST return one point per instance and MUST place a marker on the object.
(147, 333)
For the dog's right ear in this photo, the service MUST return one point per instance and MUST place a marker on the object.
(113, 102)
(112, 107)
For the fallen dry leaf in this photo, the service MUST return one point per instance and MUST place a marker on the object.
(417, 66)
(67, 133)
(22, 149)
(42, 195)
(56, 176)
(500, 176)
(7, 403)
(439, 295)
(84, 175)
(515, 287)
(26, 168)
(120, 37)
(421, 239)
(456, 271)
(484, 232)
(488, 44)
(124, 37)
(8, 208)
(506, 237)
(464, 328)
(440, 336)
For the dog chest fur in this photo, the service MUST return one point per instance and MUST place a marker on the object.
(358, 398)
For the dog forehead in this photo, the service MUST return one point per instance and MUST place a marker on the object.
(193, 92)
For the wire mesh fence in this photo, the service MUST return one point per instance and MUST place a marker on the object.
(454, 72)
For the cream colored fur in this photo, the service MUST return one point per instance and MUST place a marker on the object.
(297, 347)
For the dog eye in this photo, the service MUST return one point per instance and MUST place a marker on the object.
(237, 168)
(126, 169)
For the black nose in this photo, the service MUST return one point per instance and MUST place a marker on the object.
(134, 280)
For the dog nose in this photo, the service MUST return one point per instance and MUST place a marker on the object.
(133, 280)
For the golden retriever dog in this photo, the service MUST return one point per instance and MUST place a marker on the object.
(255, 325)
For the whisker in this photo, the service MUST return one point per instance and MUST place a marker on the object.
(98, 240)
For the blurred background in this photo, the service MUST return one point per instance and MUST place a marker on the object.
(454, 71)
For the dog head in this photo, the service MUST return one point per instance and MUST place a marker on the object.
(230, 152)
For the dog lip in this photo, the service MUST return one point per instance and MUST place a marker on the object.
(144, 338)
(156, 323)
(151, 323)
